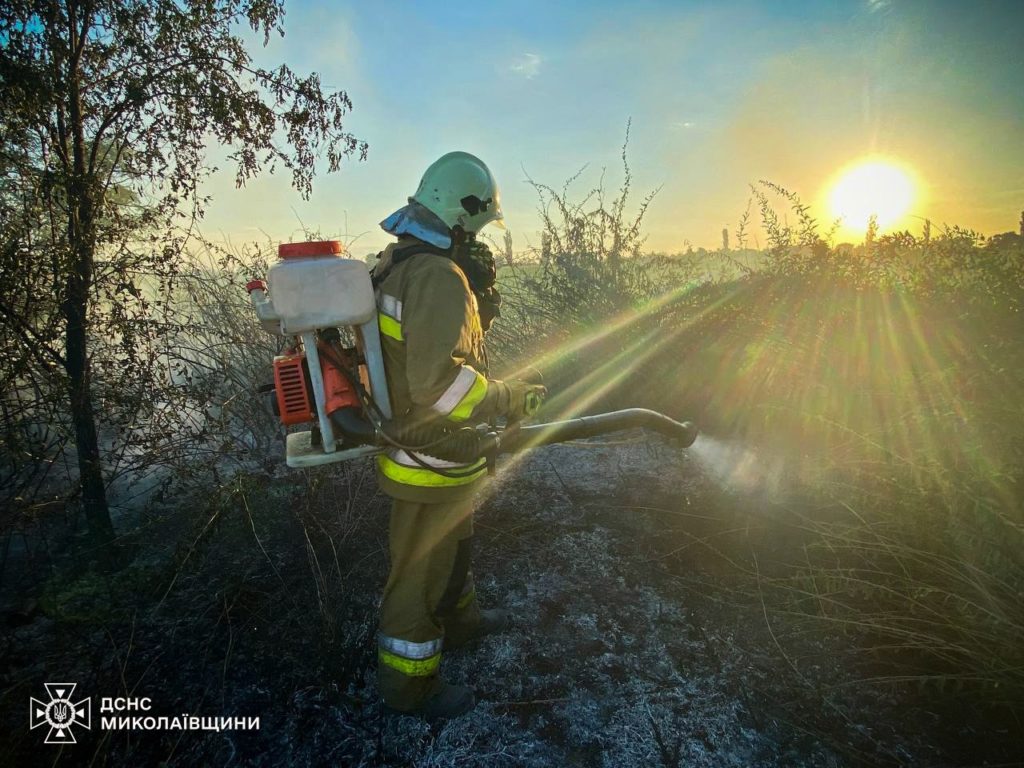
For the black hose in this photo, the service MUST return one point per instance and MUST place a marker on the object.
(581, 427)
(467, 444)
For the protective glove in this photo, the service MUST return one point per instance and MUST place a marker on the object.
(523, 399)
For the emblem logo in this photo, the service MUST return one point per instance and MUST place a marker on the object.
(60, 713)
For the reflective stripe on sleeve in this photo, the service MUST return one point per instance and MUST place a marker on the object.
(389, 316)
(462, 395)
(466, 599)
(390, 306)
(390, 327)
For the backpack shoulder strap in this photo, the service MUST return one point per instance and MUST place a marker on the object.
(398, 255)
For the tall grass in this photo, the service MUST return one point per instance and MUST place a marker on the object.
(890, 377)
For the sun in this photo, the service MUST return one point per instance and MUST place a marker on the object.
(878, 188)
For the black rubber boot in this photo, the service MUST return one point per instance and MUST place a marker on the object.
(449, 702)
(493, 621)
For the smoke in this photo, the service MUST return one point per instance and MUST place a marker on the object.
(738, 467)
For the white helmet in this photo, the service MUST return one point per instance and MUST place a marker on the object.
(461, 191)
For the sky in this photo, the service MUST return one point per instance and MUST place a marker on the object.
(719, 95)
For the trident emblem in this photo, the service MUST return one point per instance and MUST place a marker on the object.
(60, 713)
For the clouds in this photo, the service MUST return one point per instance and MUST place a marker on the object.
(526, 65)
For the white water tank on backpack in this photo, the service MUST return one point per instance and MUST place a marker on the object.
(314, 286)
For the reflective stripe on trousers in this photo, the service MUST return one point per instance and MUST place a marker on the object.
(425, 542)
(413, 659)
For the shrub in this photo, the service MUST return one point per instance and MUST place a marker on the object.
(588, 302)
(888, 375)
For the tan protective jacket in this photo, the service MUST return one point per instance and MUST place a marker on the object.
(433, 357)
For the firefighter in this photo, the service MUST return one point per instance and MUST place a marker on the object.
(435, 298)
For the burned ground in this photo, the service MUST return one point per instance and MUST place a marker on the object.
(641, 637)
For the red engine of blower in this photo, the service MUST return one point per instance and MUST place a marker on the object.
(294, 393)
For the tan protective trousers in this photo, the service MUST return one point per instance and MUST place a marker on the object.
(429, 597)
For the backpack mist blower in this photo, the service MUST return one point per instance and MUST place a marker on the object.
(331, 378)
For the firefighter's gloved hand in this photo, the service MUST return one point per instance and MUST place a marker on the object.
(524, 399)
